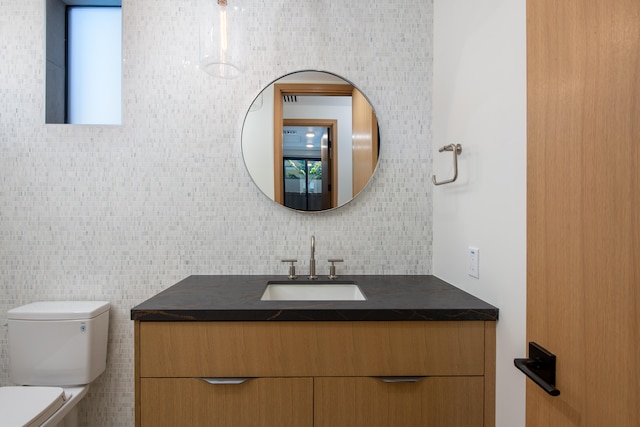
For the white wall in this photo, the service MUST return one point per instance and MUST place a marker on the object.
(257, 142)
(122, 212)
(479, 101)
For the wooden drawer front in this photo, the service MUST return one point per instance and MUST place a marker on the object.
(275, 349)
(369, 402)
(260, 402)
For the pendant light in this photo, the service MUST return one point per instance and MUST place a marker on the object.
(221, 33)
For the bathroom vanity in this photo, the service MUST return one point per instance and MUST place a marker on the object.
(416, 352)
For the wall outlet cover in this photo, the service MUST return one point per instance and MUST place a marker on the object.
(474, 262)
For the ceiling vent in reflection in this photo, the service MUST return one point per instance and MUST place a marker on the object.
(290, 98)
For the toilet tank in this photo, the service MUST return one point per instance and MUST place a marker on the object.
(59, 343)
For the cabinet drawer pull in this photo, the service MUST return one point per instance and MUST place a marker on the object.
(219, 381)
(400, 379)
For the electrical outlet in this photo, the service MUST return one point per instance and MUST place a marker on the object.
(474, 262)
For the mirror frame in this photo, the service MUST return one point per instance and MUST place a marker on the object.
(309, 89)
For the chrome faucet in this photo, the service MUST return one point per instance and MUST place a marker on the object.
(312, 261)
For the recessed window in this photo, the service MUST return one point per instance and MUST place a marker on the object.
(84, 62)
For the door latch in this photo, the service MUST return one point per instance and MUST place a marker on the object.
(540, 367)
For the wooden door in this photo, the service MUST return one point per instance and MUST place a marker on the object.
(583, 215)
(370, 402)
(365, 141)
(283, 89)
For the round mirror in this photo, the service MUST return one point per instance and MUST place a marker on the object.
(310, 141)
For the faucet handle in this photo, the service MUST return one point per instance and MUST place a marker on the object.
(332, 268)
(292, 268)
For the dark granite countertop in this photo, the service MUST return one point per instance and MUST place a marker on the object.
(237, 298)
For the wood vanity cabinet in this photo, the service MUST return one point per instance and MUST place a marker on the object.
(326, 374)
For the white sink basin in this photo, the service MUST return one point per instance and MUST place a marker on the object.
(287, 291)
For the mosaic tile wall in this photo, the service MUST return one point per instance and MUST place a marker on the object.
(122, 212)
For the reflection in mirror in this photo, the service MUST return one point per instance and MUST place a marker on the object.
(310, 141)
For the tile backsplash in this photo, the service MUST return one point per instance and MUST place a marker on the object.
(122, 212)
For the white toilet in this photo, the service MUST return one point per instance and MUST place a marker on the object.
(56, 349)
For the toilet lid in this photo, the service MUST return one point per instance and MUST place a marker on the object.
(29, 406)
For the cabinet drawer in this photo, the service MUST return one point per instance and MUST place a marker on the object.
(259, 402)
(281, 349)
(369, 402)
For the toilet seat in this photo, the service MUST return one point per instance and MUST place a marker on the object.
(30, 406)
